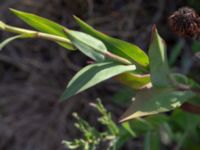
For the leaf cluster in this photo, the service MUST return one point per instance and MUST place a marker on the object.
(157, 88)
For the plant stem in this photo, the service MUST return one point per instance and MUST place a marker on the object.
(124, 61)
(33, 34)
(117, 58)
(191, 108)
(46, 36)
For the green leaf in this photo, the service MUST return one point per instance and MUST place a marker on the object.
(88, 45)
(191, 121)
(127, 126)
(121, 48)
(157, 120)
(134, 81)
(122, 138)
(143, 125)
(92, 75)
(160, 74)
(182, 79)
(43, 25)
(153, 101)
(2, 25)
(152, 141)
(8, 40)
(123, 96)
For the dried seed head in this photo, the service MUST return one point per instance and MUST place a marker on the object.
(185, 22)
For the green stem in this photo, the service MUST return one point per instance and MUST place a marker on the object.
(33, 34)
(117, 58)
(46, 36)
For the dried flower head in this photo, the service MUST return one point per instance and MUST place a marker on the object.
(185, 22)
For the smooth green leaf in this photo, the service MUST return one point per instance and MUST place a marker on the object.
(127, 126)
(87, 44)
(123, 96)
(152, 141)
(122, 138)
(182, 79)
(43, 25)
(160, 74)
(143, 125)
(2, 25)
(8, 40)
(191, 121)
(121, 48)
(92, 75)
(157, 119)
(153, 101)
(134, 81)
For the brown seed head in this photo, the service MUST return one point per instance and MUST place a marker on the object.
(185, 22)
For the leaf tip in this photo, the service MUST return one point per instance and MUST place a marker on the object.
(153, 31)
(2, 25)
(16, 12)
(154, 28)
(66, 30)
(13, 10)
(123, 119)
(126, 116)
(75, 17)
(63, 98)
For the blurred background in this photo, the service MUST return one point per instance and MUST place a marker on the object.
(34, 73)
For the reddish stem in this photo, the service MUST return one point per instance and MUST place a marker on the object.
(191, 108)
